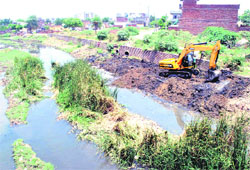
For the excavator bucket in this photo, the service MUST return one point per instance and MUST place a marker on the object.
(213, 75)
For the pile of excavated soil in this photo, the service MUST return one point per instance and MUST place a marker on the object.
(208, 98)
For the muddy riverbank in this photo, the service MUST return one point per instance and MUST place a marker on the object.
(208, 98)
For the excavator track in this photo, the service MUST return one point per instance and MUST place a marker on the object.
(181, 74)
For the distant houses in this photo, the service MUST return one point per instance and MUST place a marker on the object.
(132, 19)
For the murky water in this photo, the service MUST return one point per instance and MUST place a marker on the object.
(49, 138)
(171, 117)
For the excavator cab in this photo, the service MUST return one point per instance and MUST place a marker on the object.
(189, 60)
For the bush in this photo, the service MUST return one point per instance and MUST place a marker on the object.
(46, 27)
(132, 31)
(110, 47)
(147, 39)
(79, 85)
(246, 35)
(26, 75)
(3, 28)
(167, 43)
(5, 35)
(226, 37)
(123, 35)
(225, 147)
(102, 35)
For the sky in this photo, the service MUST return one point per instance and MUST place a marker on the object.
(16, 9)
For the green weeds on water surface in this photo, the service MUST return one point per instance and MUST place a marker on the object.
(25, 81)
(25, 157)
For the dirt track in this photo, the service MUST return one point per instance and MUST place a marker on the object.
(208, 98)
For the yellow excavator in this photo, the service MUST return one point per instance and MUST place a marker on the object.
(185, 65)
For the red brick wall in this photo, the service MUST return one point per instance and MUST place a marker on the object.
(195, 18)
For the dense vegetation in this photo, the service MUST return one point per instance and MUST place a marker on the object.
(84, 95)
(102, 35)
(80, 86)
(245, 18)
(226, 37)
(25, 83)
(25, 157)
(72, 22)
(160, 41)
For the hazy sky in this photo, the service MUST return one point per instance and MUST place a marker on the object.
(15, 9)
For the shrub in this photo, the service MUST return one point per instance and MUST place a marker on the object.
(132, 30)
(46, 27)
(102, 35)
(147, 39)
(246, 35)
(123, 35)
(234, 63)
(110, 47)
(26, 75)
(225, 147)
(3, 28)
(79, 85)
(5, 35)
(167, 43)
(218, 33)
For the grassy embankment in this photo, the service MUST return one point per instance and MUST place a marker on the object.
(130, 141)
(26, 41)
(235, 58)
(25, 157)
(25, 78)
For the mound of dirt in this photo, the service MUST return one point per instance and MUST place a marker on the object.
(208, 98)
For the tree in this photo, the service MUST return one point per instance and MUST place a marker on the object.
(154, 23)
(48, 21)
(111, 22)
(163, 23)
(15, 27)
(5, 22)
(151, 18)
(59, 21)
(96, 22)
(72, 23)
(245, 17)
(88, 19)
(105, 19)
(32, 23)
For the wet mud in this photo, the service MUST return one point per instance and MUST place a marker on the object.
(208, 98)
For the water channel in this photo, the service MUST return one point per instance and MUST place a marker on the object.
(50, 138)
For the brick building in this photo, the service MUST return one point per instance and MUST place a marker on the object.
(196, 18)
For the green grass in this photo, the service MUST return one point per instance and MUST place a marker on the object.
(25, 157)
(25, 80)
(9, 42)
(19, 113)
(8, 55)
(80, 85)
(235, 60)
